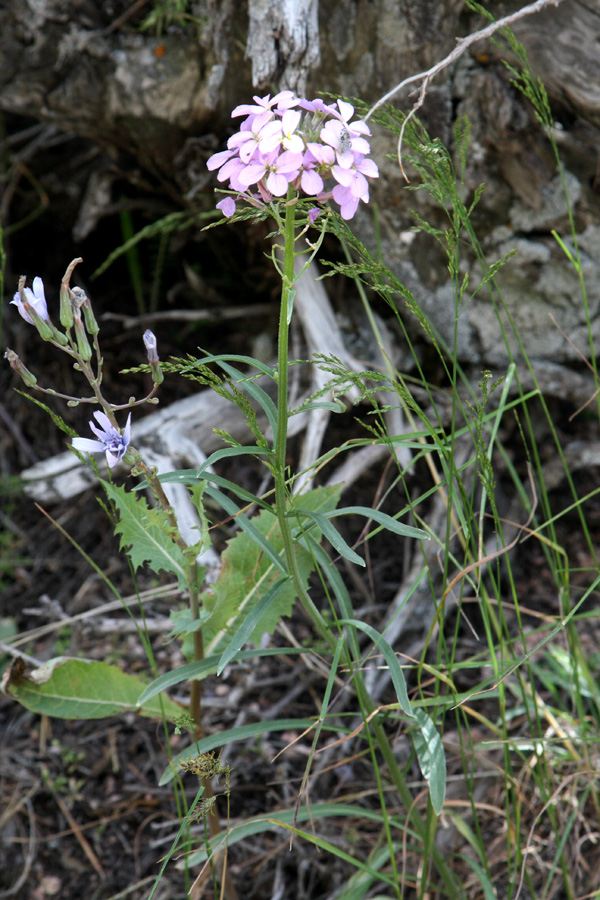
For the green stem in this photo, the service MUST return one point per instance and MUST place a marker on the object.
(279, 474)
(421, 826)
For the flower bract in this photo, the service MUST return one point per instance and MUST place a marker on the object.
(110, 440)
(289, 141)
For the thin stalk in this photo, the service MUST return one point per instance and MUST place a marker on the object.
(281, 501)
(212, 816)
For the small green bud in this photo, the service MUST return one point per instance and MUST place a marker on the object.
(83, 345)
(16, 364)
(82, 301)
(66, 311)
(59, 337)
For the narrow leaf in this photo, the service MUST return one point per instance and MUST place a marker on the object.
(388, 522)
(204, 667)
(250, 624)
(282, 817)
(432, 760)
(191, 476)
(333, 536)
(396, 673)
(246, 525)
(227, 452)
(256, 392)
(241, 733)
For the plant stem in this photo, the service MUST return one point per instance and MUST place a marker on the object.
(281, 510)
(212, 817)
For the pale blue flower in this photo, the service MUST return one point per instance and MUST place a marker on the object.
(35, 298)
(110, 441)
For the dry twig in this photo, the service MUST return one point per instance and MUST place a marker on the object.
(462, 46)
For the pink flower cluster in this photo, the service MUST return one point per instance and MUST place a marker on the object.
(284, 141)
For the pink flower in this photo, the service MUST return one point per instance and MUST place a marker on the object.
(353, 176)
(282, 100)
(249, 139)
(279, 170)
(286, 140)
(227, 206)
(280, 134)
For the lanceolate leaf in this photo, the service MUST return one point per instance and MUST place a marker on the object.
(333, 536)
(430, 753)
(250, 624)
(382, 519)
(207, 666)
(240, 733)
(83, 689)
(396, 673)
(146, 533)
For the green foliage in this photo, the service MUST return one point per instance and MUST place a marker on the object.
(84, 689)
(169, 224)
(58, 420)
(247, 575)
(232, 388)
(148, 534)
(171, 12)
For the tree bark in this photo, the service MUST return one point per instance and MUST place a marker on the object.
(160, 106)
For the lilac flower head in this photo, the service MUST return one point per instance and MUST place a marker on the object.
(110, 441)
(289, 141)
(35, 298)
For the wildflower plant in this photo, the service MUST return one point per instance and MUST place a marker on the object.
(290, 158)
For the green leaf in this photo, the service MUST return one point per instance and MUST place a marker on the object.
(333, 536)
(227, 452)
(396, 673)
(256, 392)
(285, 818)
(84, 689)
(58, 421)
(250, 624)
(146, 533)
(248, 572)
(204, 667)
(241, 733)
(388, 522)
(432, 760)
(249, 527)
(336, 406)
(182, 621)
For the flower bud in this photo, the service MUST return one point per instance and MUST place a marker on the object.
(150, 344)
(66, 312)
(83, 345)
(16, 364)
(83, 302)
(59, 338)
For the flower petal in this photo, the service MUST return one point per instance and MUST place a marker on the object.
(88, 445)
(104, 421)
